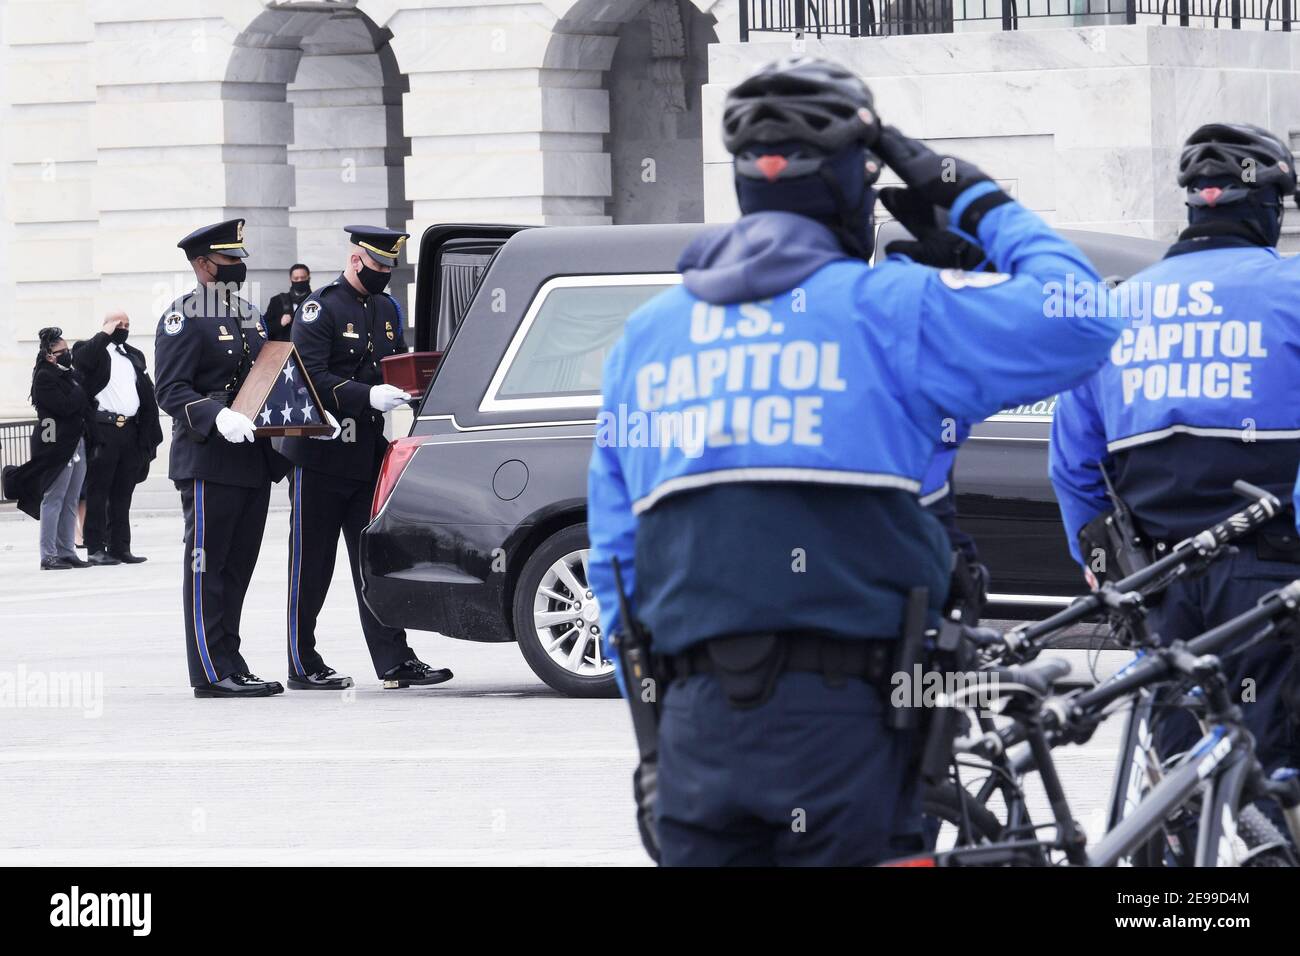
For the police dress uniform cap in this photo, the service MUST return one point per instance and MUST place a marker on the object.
(226, 238)
(383, 245)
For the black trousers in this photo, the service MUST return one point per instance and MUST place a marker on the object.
(223, 535)
(323, 506)
(811, 777)
(1259, 679)
(111, 473)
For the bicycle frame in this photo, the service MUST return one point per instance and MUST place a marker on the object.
(1217, 766)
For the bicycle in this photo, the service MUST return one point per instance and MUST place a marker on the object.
(1216, 780)
(1138, 768)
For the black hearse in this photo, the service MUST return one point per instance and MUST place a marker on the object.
(478, 527)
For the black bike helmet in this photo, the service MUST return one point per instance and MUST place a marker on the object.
(1243, 157)
(800, 100)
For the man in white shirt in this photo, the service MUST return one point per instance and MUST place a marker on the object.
(124, 438)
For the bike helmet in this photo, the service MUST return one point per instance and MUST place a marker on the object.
(816, 103)
(1238, 159)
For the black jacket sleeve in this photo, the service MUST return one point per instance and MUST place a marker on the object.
(177, 357)
(343, 396)
(57, 394)
(90, 358)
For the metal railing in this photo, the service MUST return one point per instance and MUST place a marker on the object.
(16, 441)
(862, 18)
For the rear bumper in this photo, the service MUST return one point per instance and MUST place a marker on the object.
(406, 588)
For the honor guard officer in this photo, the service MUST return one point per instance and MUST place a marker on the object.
(206, 342)
(776, 742)
(342, 331)
(1200, 391)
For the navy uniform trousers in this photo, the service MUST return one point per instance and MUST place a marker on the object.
(223, 535)
(322, 507)
(1233, 585)
(812, 777)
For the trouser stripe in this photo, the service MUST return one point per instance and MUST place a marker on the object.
(197, 561)
(295, 569)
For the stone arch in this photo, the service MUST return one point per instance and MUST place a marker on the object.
(650, 61)
(316, 92)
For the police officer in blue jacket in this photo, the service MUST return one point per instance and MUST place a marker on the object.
(782, 406)
(206, 342)
(1199, 391)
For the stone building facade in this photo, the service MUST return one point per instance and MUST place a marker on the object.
(126, 123)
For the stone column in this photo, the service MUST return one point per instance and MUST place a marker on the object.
(191, 127)
(49, 160)
(505, 114)
(348, 147)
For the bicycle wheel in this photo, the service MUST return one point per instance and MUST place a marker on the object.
(1267, 845)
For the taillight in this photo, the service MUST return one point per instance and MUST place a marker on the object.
(910, 861)
(395, 461)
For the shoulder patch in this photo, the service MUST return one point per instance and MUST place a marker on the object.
(311, 311)
(960, 279)
(173, 322)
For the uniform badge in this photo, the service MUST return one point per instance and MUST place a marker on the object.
(388, 330)
(311, 312)
(173, 323)
(348, 333)
(224, 335)
(960, 279)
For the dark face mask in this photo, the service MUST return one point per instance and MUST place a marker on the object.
(231, 274)
(372, 280)
(119, 336)
(300, 289)
(65, 360)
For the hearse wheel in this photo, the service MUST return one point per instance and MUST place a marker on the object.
(557, 618)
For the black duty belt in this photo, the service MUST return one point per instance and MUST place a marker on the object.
(1275, 541)
(870, 660)
(112, 418)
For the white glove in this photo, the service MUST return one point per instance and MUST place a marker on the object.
(235, 427)
(384, 398)
(333, 423)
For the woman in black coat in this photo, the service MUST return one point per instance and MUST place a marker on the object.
(48, 485)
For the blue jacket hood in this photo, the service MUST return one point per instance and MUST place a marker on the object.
(756, 257)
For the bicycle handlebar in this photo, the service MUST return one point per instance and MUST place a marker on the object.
(1156, 667)
(1263, 508)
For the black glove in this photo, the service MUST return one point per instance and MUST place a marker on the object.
(934, 245)
(937, 179)
(645, 788)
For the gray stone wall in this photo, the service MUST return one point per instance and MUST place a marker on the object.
(1082, 124)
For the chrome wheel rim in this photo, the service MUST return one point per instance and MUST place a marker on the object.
(566, 618)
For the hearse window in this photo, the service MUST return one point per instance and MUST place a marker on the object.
(459, 276)
(575, 321)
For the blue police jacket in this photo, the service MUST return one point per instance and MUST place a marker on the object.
(1200, 389)
(789, 392)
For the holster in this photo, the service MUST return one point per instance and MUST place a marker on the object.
(968, 590)
(1113, 535)
(747, 667)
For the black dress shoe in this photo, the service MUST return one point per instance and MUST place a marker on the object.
(324, 679)
(240, 685)
(102, 558)
(55, 564)
(414, 673)
(75, 561)
(126, 557)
